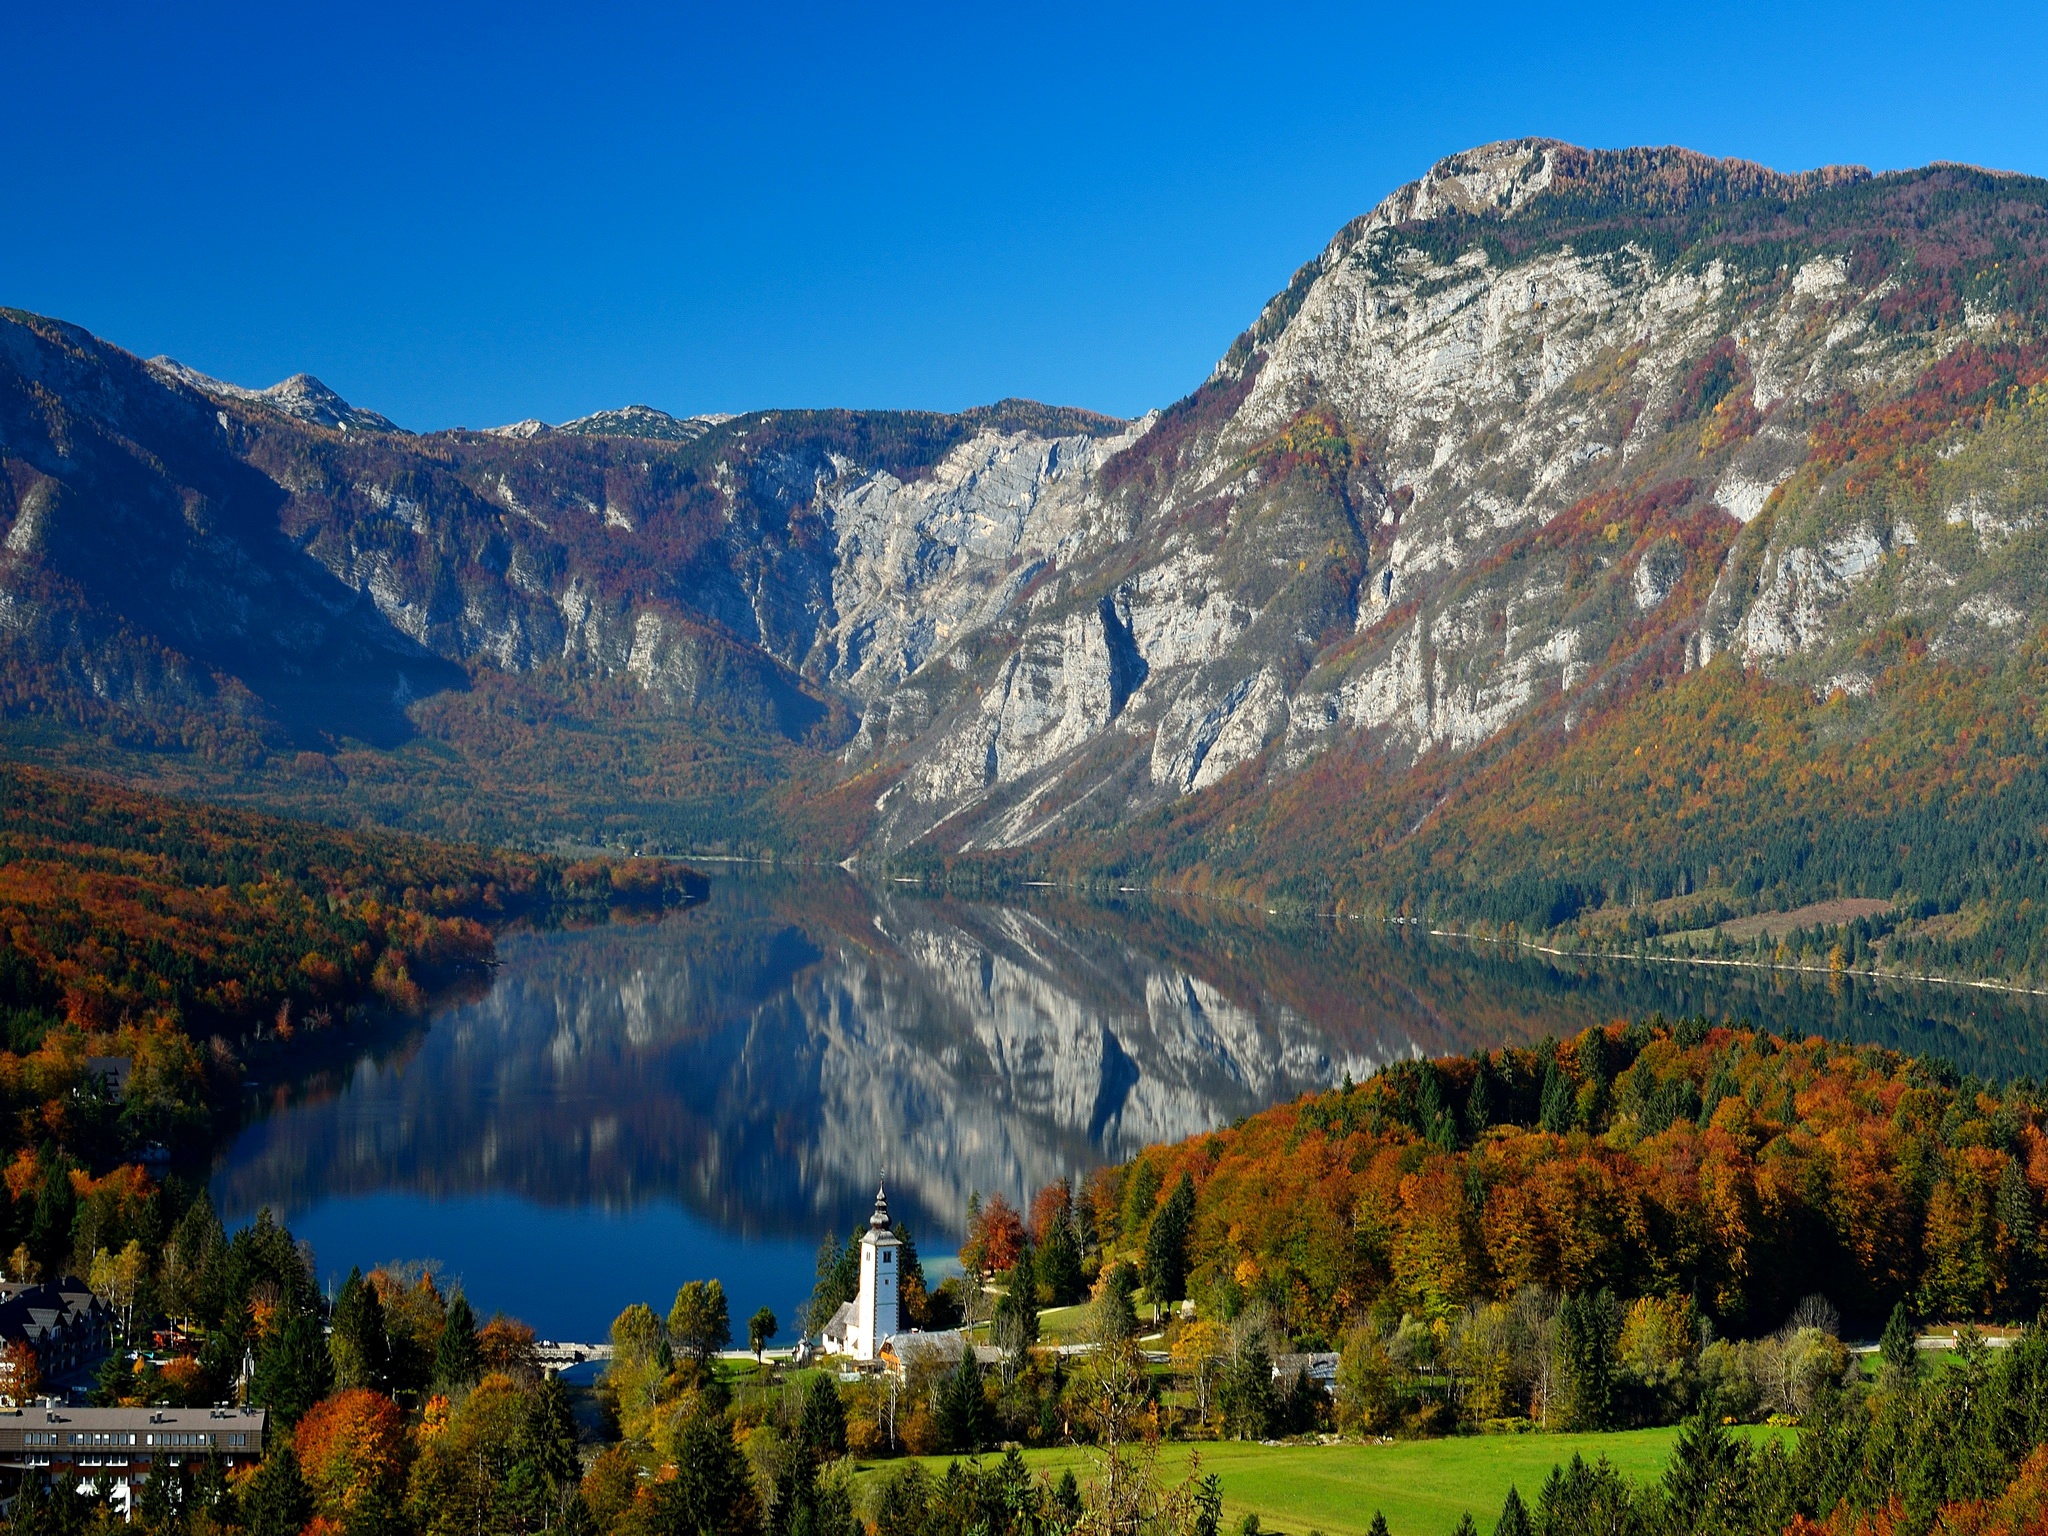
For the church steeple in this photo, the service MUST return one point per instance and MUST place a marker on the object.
(874, 1309)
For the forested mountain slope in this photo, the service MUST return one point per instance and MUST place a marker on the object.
(1580, 533)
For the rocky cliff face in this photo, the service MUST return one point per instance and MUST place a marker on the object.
(1510, 438)
(1545, 425)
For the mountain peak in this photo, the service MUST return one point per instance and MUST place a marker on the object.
(301, 397)
(644, 421)
(1500, 179)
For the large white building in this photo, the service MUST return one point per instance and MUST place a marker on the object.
(862, 1326)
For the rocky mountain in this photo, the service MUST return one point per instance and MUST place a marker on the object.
(300, 397)
(1546, 459)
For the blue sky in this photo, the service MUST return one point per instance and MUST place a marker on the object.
(471, 214)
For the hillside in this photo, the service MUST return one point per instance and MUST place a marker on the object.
(1603, 543)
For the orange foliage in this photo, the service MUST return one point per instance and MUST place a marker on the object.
(352, 1447)
(1732, 1166)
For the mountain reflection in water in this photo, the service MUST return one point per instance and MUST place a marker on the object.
(761, 1059)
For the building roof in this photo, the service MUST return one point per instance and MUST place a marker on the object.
(36, 1415)
(909, 1349)
(839, 1322)
(35, 1312)
(878, 1221)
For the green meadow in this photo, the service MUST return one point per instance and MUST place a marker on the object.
(1422, 1486)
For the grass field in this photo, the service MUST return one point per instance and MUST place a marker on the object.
(1422, 1486)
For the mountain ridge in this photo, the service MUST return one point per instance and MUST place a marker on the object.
(1546, 436)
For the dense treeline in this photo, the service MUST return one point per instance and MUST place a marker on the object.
(1714, 1167)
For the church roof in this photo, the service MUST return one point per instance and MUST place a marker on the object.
(879, 1221)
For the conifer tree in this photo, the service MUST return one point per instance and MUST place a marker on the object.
(711, 1493)
(166, 1494)
(1166, 1245)
(962, 1407)
(2016, 1216)
(1559, 1108)
(1514, 1516)
(1378, 1526)
(1479, 1108)
(1703, 1481)
(276, 1501)
(1024, 1276)
(549, 1435)
(821, 1430)
(1585, 1361)
(293, 1369)
(1059, 1264)
(1897, 1352)
(358, 1342)
(456, 1359)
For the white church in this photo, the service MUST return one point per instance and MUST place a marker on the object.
(862, 1326)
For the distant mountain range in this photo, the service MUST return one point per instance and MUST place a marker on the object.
(1597, 542)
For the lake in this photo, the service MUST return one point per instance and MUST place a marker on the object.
(630, 1106)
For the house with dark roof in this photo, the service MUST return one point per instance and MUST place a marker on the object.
(61, 1320)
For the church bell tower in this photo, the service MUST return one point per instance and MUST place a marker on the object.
(874, 1321)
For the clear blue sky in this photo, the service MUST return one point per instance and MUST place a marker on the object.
(473, 214)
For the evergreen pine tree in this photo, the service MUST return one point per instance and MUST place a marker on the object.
(358, 1343)
(166, 1494)
(276, 1500)
(1704, 1482)
(1479, 1108)
(1559, 1108)
(1514, 1516)
(457, 1362)
(211, 1491)
(1585, 1361)
(1024, 1277)
(2016, 1215)
(1378, 1526)
(293, 1369)
(962, 1407)
(825, 1297)
(1245, 1392)
(114, 1377)
(1897, 1352)
(711, 1493)
(35, 1511)
(1166, 1245)
(549, 1435)
(821, 1429)
(1465, 1526)
(1059, 1264)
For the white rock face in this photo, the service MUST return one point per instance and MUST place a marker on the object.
(922, 564)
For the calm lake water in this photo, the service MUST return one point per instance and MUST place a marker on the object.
(632, 1106)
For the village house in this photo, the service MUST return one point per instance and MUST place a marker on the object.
(61, 1320)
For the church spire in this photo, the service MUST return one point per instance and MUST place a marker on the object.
(879, 1221)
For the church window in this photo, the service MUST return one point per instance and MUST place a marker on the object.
(886, 1256)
